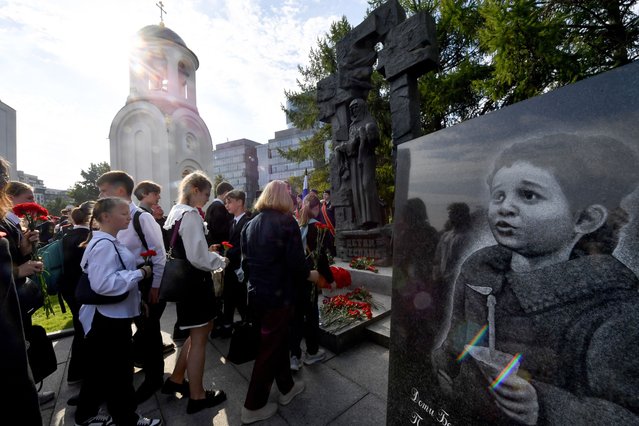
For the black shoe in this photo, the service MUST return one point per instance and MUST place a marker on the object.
(170, 387)
(146, 390)
(212, 398)
(73, 401)
(167, 348)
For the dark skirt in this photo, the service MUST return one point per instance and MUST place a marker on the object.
(199, 306)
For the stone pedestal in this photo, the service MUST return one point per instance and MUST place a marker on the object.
(375, 243)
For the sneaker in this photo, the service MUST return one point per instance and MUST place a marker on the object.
(45, 396)
(99, 420)
(252, 416)
(212, 398)
(73, 401)
(143, 421)
(171, 387)
(295, 363)
(297, 389)
(315, 358)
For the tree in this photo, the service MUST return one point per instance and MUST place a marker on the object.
(537, 46)
(492, 53)
(54, 206)
(86, 189)
(304, 112)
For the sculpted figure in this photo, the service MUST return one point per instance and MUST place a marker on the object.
(356, 159)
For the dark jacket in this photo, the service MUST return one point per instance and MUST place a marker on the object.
(218, 221)
(323, 266)
(576, 325)
(72, 255)
(235, 254)
(273, 259)
(14, 365)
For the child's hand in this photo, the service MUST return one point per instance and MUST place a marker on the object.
(517, 398)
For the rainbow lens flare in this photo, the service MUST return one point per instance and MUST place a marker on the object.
(482, 331)
(506, 371)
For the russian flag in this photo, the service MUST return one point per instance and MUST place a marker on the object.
(305, 188)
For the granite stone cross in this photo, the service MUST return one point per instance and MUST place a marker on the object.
(410, 50)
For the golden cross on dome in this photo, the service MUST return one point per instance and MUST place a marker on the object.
(160, 5)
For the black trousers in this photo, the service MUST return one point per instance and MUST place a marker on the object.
(109, 373)
(234, 297)
(147, 341)
(78, 357)
(305, 320)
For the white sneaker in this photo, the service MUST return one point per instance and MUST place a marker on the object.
(252, 416)
(315, 358)
(99, 420)
(295, 363)
(143, 421)
(298, 388)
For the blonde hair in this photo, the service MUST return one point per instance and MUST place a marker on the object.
(309, 202)
(102, 206)
(197, 179)
(275, 196)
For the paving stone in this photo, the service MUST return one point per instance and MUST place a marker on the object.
(370, 410)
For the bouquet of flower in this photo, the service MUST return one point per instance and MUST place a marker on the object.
(363, 262)
(226, 246)
(343, 310)
(147, 255)
(34, 214)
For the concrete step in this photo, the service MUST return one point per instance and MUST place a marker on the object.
(379, 332)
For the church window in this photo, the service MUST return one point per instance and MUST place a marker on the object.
(184, 74)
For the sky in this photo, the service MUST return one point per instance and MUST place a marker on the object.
(64, 68)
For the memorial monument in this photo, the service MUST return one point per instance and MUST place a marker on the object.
(409, 50)
(520, 305)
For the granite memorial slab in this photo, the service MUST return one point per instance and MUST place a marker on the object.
(515, 290)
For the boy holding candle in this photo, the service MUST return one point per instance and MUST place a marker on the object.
(562, 301)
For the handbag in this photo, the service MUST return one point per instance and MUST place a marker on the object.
(85, 295)
(177, 273)
(30, 296)
(245, 342)
(41, 354)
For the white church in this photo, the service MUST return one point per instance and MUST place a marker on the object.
(159, 135)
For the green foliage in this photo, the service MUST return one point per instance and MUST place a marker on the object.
(54, 206)
(86, 189)
(218, 180)
(56, 322)
(492, 53)
(537, 46)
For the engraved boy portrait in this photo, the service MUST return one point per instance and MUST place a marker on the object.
(544, 325)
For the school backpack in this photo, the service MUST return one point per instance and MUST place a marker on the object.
(53, 258)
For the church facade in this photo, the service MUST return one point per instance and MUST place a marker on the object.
(159, 135)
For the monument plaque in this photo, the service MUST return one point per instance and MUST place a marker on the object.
(515, 289)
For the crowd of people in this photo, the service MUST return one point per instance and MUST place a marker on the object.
(120, 249)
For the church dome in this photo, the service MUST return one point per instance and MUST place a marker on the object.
(159, 31)
(162, 33)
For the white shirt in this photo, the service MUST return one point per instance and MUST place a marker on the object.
(107, 277)
(153, 235)
(192, 233)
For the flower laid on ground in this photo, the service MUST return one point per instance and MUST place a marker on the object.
(147, 255)
(226, 246)
(343, 310)
(35, 214)
(363, 262)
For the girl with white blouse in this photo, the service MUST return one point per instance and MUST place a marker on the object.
(112, 271)
(197, 311)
